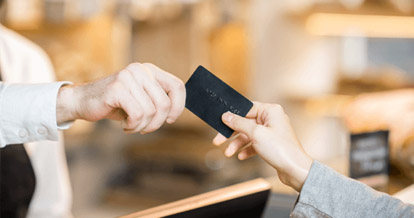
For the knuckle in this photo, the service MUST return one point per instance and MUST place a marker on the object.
(235, 123)
(165, 105)
(122, 75)
(267, 106)
(108, 101)
(113, 85)
(134, 66)
(151, 112)
(114, 89)
(257, 131)
(178, 84)
(277, 107)
(149, 65)
(137, 116)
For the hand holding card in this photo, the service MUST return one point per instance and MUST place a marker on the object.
(208, 97)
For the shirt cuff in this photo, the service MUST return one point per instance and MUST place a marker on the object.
(312, 199)
(65, 125)
(28, 112)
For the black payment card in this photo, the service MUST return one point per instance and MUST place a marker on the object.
(208, 97)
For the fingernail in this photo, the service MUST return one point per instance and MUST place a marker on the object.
(170, 120)
(228, 117)
(143, 132)
(242, 156)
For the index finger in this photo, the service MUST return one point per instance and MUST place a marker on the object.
(252, 114)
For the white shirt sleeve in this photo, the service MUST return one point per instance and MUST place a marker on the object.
(28, 112)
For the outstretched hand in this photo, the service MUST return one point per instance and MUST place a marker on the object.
(141, 96)
(266, 131)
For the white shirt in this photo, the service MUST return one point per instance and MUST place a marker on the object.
(28, 114)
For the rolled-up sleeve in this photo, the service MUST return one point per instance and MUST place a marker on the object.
(327, 193)
(28, 112)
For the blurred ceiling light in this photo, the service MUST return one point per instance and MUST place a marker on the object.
(329, 24)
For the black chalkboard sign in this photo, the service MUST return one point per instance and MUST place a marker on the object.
(249, 206)
(243, 200)
(369, 154)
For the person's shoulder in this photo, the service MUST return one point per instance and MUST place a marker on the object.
(26, 61)
(21, 45)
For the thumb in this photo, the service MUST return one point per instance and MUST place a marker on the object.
(239, 124)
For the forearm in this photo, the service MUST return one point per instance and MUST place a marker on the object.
(326, 193)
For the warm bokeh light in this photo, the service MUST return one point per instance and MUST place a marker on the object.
(329, 24)
(337, 67)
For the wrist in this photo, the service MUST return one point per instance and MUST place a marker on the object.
(66, 105)
(296, 175)
(303, 169)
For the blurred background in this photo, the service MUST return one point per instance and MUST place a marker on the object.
(313, 57)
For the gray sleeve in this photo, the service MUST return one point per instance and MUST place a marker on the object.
(327, 193)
